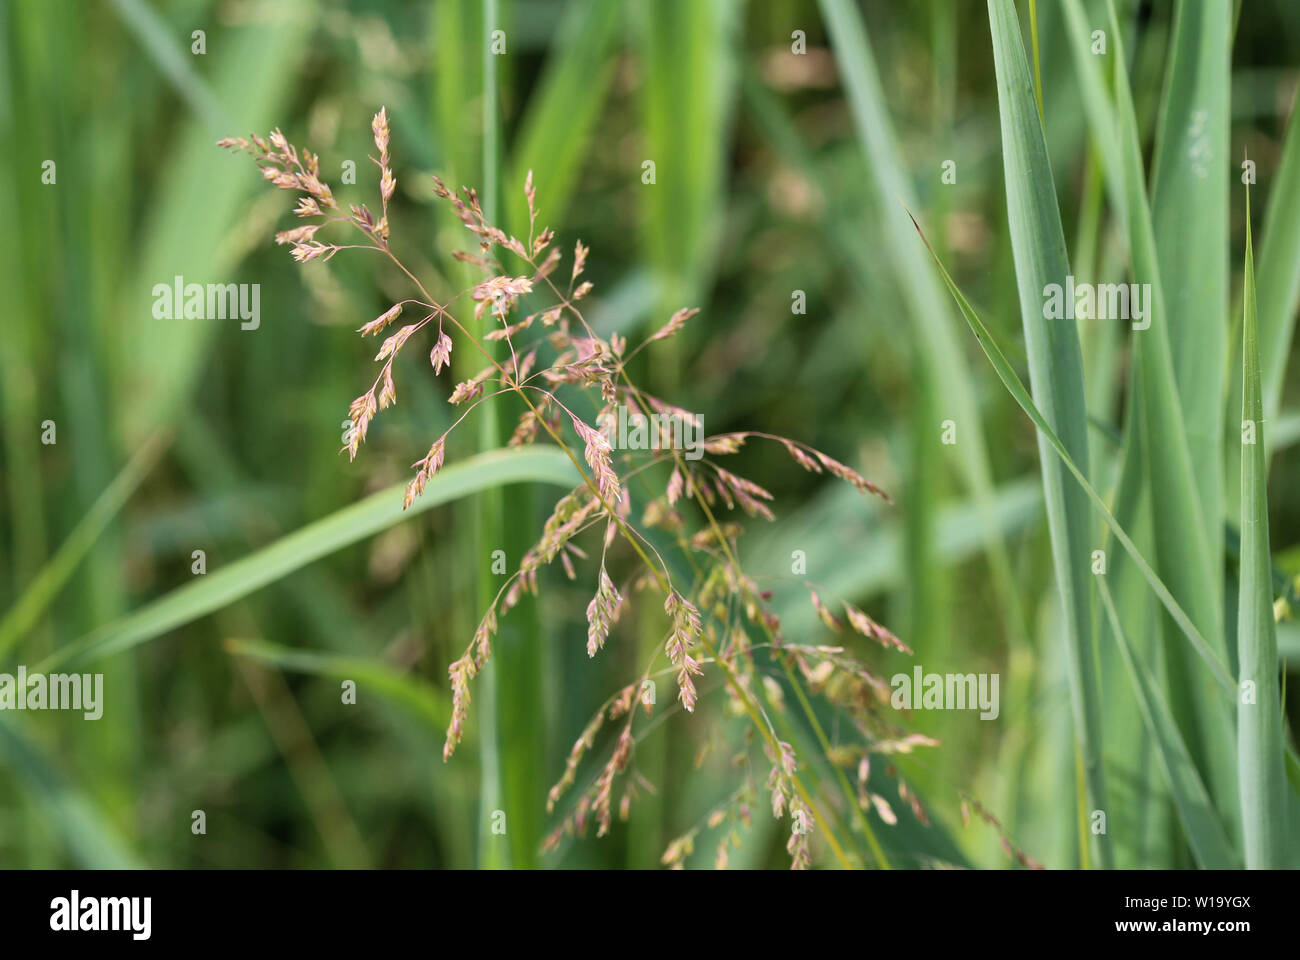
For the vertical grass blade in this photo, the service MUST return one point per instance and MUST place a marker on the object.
(198, 193)
(1007, 374)
(489, 509)
(562, 114)
(1056, 377)
(1182, 540)
(919, 290)
(1196, 813)
(689, 73)
(1279, 271)
(1189, 211)
(1259, 719)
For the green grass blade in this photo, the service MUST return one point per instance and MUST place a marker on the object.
(41, 592)
(363, 519)
(502, 675)
(1056, 374)
(91, 838)
(1180, 521)
(1007, 374)
(1259, 718)
(171, 57)
(1096, 101)
(919, 290)
(1189, 212)
(189, 226)
(1195, 811)
(1279, 271)
(557, 127)
(689, 73)
(1182, 538)
(1038, 71)
(423, 700)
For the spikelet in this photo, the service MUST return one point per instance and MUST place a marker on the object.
(360, 413)
(674, 324)
(381, 321)
(864, 625)
(685, 632)
(597, 453)
(602, 612)
(427, 467)
(824, 613)
(579, 261)
(440, 355)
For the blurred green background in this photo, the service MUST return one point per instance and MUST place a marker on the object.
(776, 172)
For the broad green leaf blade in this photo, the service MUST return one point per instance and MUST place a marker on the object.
(1259, 717)
(1182, 538)
(1007, 374)
(1195, 811)
(1189, 212)
(1056, 375)
(363, 519)
(426, 702)
(1181, 528)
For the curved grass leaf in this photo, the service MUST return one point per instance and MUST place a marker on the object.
(189, 226)
(426, 702)
(318, 539)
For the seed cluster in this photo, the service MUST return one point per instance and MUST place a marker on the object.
(562, 371)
